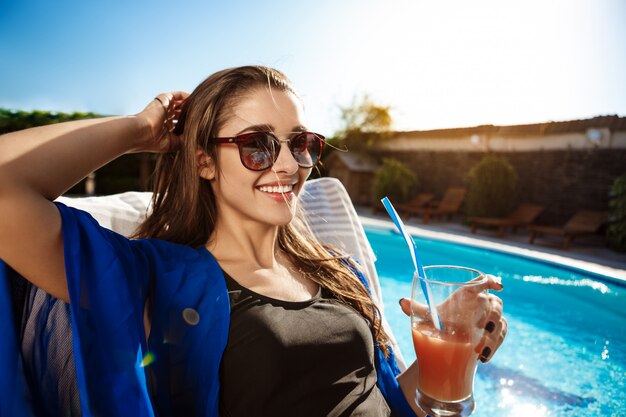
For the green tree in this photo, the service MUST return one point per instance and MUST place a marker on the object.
(492, 187)
(364, 123)
(394, 180)
(120, 175)
(13, 120)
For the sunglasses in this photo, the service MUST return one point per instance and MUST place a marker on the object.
(259, 150)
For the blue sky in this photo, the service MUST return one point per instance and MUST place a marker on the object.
(438, 64)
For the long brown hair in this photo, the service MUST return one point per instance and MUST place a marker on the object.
(183, 204)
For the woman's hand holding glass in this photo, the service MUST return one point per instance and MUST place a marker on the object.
(471, 327)
(482, 310)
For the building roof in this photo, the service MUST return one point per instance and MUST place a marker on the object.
(355, 162)
(613, 123)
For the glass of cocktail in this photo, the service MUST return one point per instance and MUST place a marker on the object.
(446, 351)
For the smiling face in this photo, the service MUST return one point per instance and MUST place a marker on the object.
(268, 196)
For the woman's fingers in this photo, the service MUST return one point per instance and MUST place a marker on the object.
(166, 98)
(491, 283)
(418, 309)
(160, 117)
(491, 342)
(169, 135)
(405, 306)
(488, 345)
(179, 95)
(493, 313)
(494, 326)
(478, 309)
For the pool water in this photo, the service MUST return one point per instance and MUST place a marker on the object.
(565, 350)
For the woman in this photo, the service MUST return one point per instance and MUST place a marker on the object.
(223, 304)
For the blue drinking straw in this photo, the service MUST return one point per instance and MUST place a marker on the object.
(419, 269)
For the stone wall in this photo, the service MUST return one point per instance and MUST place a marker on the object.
(564, 181)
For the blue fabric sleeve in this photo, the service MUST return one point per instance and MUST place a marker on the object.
(107, 279)
(189, 329)
(14, 397)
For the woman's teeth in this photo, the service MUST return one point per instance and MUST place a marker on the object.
(276, 189)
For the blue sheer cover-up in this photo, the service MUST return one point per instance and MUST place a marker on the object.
(118, 373)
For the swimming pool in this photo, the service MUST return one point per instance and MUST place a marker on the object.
(565, 351)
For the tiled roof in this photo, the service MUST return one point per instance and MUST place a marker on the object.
(613, 123)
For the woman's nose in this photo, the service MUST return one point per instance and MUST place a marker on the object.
(285, 162)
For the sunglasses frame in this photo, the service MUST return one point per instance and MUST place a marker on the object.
(247, 137)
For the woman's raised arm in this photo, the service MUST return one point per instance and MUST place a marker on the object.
(39, 164)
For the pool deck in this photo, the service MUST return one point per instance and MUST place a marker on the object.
(587, 253)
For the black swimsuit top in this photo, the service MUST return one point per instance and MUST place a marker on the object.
(308, 358)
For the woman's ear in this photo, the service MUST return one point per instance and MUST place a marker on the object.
(206, 165)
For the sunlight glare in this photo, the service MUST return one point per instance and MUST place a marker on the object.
(519, 407)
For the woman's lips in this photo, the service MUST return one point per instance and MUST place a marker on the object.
(284, 196)
(278, 192)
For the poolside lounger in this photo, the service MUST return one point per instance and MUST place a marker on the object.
(334, 221)
(523, 215)
(584, 222)
(449, 205)
(416, 203)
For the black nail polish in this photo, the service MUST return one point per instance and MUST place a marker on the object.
(485, 355)
(490, 327)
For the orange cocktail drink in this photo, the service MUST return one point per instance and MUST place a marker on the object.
(447, 362)
(446, 338)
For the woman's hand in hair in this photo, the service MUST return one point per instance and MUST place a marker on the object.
(159, 119)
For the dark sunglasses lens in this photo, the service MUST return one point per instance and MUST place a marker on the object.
(257, 153)
(306, 148)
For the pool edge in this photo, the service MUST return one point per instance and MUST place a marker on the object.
(602, 272)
